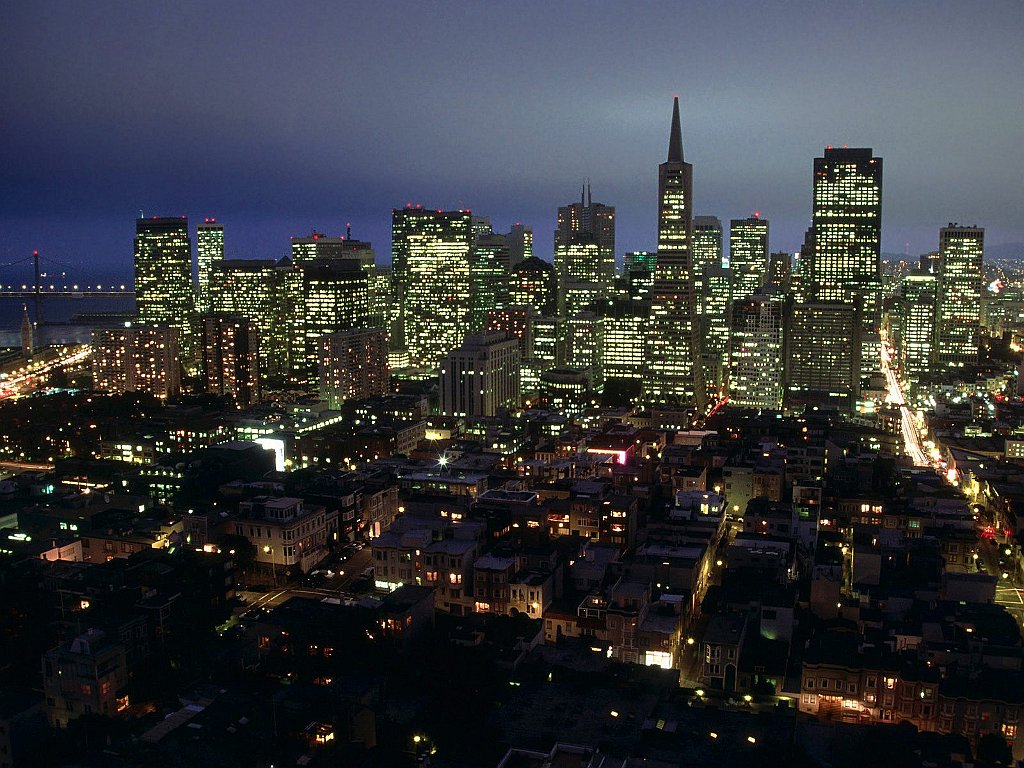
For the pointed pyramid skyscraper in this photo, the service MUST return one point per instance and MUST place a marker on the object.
(675, 138)
(670, 373)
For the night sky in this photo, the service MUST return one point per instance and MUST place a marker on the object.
(278, 119)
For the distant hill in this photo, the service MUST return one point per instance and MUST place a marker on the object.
(1005, 251)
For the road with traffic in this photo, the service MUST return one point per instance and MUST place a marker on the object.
(911, 435)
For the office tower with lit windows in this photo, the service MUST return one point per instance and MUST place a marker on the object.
(269, 294)
(584, 254)
(801, 284)
(643, 261)
(917, 307)
(533, 284)
(481, 376)
(520, 243)
(137, 359)
(670, 374)
(823, 348)
(512, 321)
(961, 251)
(210, 252)
(163, 279)
(713, 304)
(780, 271)
(545, 349)
(320, 248)
(585, 223)
(584, 348)
(748, 255)
(231, 359)
(489, 273)
(756, 351)
(336, 297)
(707, 242)
(847, 222)
(353, 365)
(431, 253)
(626, 322)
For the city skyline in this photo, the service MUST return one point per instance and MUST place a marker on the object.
(754, 123)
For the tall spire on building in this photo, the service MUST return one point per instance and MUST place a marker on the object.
(27, 340)
(675, 139)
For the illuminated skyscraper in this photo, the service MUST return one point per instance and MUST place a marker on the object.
(336, 298)
(713, 305)
(707, 242)
(533, 284)
(431, 262)
(231, 358)
(755, 352)
(353, 365)
(916, 324)
(670, 372)
(136, 359)
(748, 255)
(489, 273)
(626, 323)
(269, 294)
(584, 348)
(210, 249)
(321, 248)
(847, 221)
(961, 251)
(594, 221)
(481, 376)
(163, 278)
(639, 260)
(513, 322)
(545, 349)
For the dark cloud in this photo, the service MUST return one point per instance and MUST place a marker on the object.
(278, 119)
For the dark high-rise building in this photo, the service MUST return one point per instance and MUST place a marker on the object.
(533, 284)
(961, 251)
(210, 251)
(748, 255)
(481, 376)
(670, 372)
(847, 221)
(823, 349)
(231, 358)
(430, 256)
(780, 271)
(163, 278)
(520, 243)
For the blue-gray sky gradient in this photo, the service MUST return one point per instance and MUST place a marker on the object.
(278, 119)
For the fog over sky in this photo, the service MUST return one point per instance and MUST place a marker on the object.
(278, 118)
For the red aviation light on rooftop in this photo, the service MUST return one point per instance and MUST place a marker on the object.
(828, 146)
(35, 253)
(757, 214)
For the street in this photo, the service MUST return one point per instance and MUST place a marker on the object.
(911, 437)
